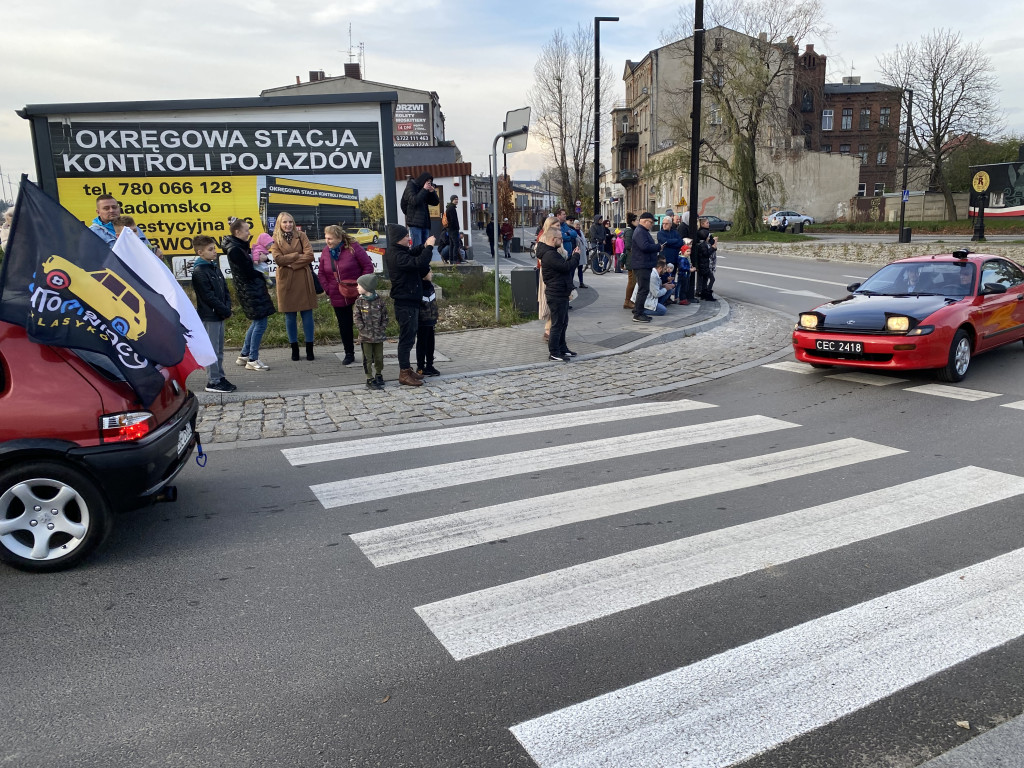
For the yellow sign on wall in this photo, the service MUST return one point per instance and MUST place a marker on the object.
(170, 210)
(981, 181)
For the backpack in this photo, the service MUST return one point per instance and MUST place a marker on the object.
(405, 198)
(444, 219)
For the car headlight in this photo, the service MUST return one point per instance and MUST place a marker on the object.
(897, 324)
(808, 321)
(922, 330)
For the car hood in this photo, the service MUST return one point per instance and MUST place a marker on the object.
(868, 313)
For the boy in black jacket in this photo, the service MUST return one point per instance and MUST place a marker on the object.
(406, 267)
(213, 302)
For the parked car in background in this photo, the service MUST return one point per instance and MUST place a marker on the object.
(76, 447)
(791, 217)
(716, 224)
(923, 312)
(363, 235)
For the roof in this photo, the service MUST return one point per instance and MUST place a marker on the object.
(97, 107)
(439, 170)
(308, 83)
(859, 88)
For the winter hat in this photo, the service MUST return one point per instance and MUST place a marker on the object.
(396, 233)
(646, 215)
(368, 282)
(423, 178)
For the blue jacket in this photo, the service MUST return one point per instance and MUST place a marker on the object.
(672, 241)
(107, 234)
(569, 239)
(645, 251)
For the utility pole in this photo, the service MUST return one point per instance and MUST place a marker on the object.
(698, 82)
(597, 106)
(906, 166)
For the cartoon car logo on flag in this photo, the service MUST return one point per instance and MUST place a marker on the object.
(106, 293)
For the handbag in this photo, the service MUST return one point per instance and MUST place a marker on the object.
(349, 289)
(316, 281)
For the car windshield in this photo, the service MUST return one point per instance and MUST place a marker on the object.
(955, 279)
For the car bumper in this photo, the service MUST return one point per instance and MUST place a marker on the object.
(882, 352)
(131, 473)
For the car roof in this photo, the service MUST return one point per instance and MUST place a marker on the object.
(948, 258)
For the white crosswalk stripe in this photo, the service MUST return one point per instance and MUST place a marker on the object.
(955, 393)
(419, 479)
(791, 366)
(873, 379)
(494, 429)
(743, 702)
(493, 618)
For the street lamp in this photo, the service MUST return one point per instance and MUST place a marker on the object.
(597, 102)
(695, 124)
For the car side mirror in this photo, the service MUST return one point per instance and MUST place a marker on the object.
(991, 288)
(852, 287)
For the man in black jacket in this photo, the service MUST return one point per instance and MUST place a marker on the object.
(451, 214)
(419, 195)
(406, 267)
(642, 259)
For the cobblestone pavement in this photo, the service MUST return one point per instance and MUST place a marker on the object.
(749, 336)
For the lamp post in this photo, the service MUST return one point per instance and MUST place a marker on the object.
(695, 124)
(906, 166)
(597, 102)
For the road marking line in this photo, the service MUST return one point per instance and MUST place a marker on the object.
(874, 379)
(1019, 405)
(777, 274)
(312, 454)
(791, 366)
(528, 608)
(788, 291)
(728, 708)
(417, 479)
(955, 393)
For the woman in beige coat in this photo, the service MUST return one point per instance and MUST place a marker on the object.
(295, 291)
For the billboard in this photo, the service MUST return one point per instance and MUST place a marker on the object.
(183, 169)
(412, 125)
(1005, 190)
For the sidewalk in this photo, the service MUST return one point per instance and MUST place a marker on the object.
(493, 372)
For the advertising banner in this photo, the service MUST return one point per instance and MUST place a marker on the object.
(412, 125)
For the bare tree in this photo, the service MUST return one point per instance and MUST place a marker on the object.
(747, 96)
(562, 99)
(954, 87)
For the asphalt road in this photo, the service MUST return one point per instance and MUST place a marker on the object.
(273, 615)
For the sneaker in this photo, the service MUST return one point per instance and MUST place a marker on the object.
(241, 360)
(641, 319)
(683, 302)
(379, 378)
(372, 384)
(349, 359)
(220, 387)
(558, 358)
(430, 370)
(569, 353)
(231, 387)
(256, 365)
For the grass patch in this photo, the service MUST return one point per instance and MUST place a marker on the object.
(468, 302)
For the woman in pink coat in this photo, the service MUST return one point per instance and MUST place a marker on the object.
(342, 263)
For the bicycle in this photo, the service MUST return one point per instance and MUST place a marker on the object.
(599, 261)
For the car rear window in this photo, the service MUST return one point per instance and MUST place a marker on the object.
(99, 363)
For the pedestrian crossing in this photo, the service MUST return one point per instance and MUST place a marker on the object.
(731, 706)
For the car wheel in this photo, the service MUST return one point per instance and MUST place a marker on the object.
(375, 239)
(120, 325)
(821, 365)
(728, 227)
(51, 516)
(58, 279)
(959, 358)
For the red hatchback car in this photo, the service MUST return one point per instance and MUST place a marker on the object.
(925, 312)
(76, 446)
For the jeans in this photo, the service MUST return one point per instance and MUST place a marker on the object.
(307, 326)
(559, 309)
(215, 330)
(660, 310)
(408, 322)
(643, 287)
(253, 337)
(508, 247)
(703, 284)
(344, 315)
(454, 236)
(419, 235)
(686, 285)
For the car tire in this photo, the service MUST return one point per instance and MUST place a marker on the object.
(58, 279)
(727, 227)
(67, 502)
(375, 239)
(959, 358)
(120, 325)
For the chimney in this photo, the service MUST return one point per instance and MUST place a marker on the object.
(298, 80)
(809, 51)
(763, 37)
(854, 80)
(352, 70)
(316, 75)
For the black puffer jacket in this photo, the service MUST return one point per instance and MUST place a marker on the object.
(250, 283)
(416, 200)
(701, 255)
(554, 270)
(406, 268)
(213, 302)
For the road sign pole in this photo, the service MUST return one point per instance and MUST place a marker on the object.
(906, 165)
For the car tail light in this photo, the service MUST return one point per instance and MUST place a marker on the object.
(125, 427)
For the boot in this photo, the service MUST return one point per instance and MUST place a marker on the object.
(408, 377)
(416, 374)
(295, 350)
(309, 351)
(380, 380)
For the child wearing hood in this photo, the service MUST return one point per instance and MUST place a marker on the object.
(370, 317)
(261, 255)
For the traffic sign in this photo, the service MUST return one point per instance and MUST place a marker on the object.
(981, 181)
(906, 195)
(517, 120)
(579, 203)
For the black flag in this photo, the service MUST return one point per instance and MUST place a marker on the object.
(68, 289)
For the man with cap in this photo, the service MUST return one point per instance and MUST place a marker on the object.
(642, 259)
(506, 236)
(451, 214)
(419, 195)
(406, 266)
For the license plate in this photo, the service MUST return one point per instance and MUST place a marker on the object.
(842, 347)
(184, 437)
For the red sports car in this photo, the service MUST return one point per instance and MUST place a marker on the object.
(925, 312)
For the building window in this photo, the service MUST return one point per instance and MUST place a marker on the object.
(862, 189)
(718, 75)
(847, 119)
(715, 117)
(883, 154)
(862, 150)
(879, 189)
(865, 119)
(718, 43)
(844, 149)
(826, 119)
(807, 102)
(883, 117)
(826, 148)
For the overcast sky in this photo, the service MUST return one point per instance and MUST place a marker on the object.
(477, 54)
